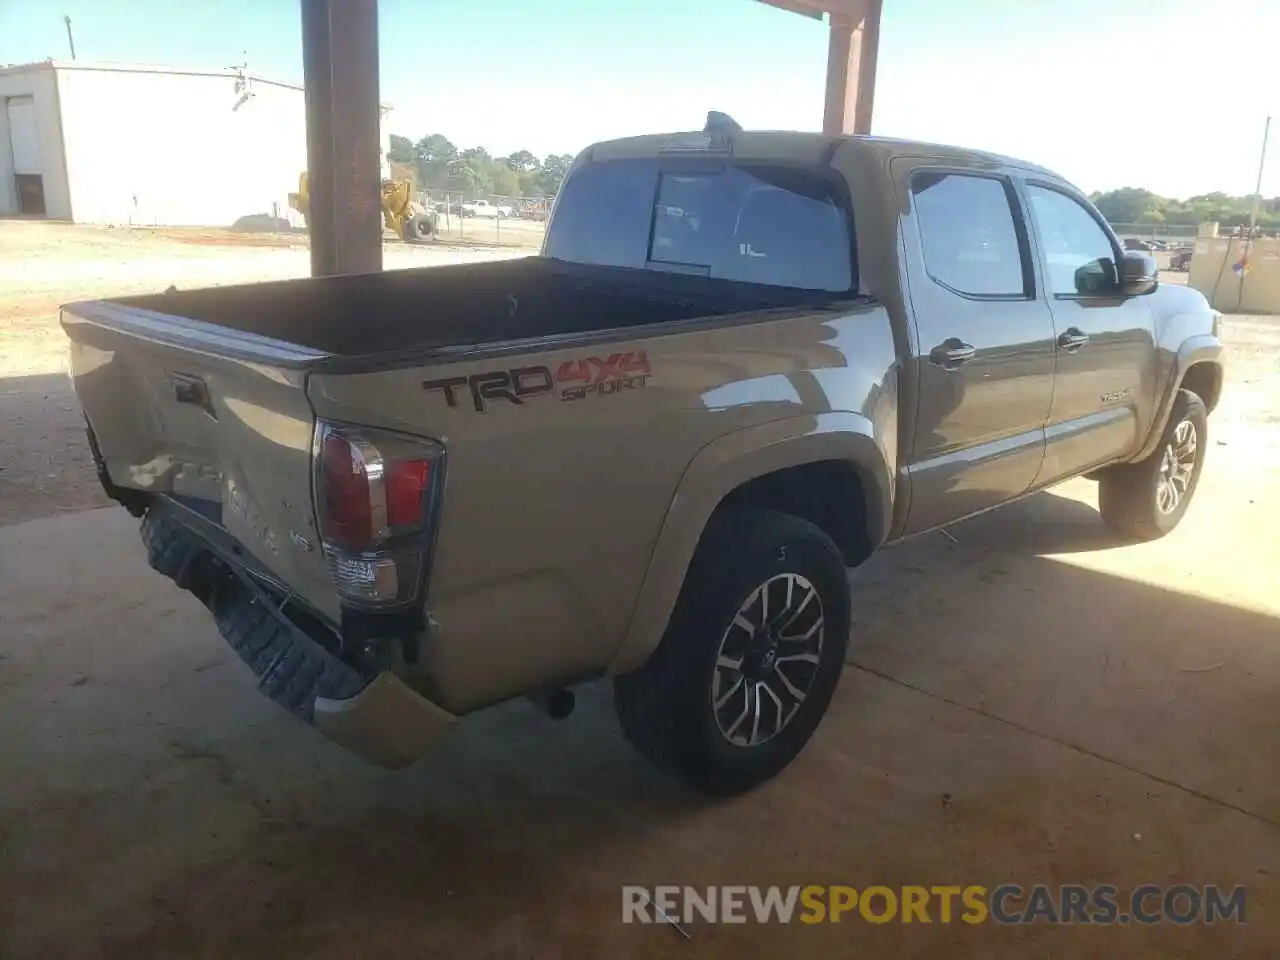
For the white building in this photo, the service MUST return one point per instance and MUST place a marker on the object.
(148, 146)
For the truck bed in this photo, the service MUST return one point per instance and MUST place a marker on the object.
(458, 306)
(211, 397)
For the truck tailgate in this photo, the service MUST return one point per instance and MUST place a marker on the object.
(215, 418)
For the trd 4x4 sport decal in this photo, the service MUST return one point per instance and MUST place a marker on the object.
(572, 380)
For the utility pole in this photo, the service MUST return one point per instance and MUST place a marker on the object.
(71, 40)
(1257, 190)
(1242, 265)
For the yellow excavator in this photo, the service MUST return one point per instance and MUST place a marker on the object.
(408, 220)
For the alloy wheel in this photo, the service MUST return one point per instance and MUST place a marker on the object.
(1177, 466)
(768, 660)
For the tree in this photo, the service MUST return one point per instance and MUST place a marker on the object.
(1132, 205)
(441, 165)
(549, 178)
(435, 148)
(504, 181)
(471, 172)
(468, 177)
(522, 161)
(1127, 205)
(478, 155)
(402, 150)
(405, 171)
(435, 154)
(1200, 211)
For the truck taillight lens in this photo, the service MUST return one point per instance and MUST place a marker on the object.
(346, 515)
(407, 487)
(375, 494)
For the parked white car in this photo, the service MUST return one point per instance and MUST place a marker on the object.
(482, 208)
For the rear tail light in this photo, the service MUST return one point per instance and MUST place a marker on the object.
(407, 487)
(376, 494)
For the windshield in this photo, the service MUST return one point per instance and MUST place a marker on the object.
(777, 226)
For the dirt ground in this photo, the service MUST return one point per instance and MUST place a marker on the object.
(504, 230)
(44, 462)
(1031, 703)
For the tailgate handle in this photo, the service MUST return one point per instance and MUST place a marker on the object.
(192, 390)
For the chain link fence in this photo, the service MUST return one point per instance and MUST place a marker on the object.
(488, 219)
(1167, 233)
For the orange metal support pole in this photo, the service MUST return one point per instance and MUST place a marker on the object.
(851, 70)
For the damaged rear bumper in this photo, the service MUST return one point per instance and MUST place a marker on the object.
(387, 723)
(376, 715)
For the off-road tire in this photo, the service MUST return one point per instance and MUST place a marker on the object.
(665, 707)
(1127, 494)
(419, 228)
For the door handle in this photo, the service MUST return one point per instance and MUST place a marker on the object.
(951, 353)
(1073, 339)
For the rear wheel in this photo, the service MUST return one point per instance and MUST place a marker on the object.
(419, 228)
(750, 658)
(1146, 500)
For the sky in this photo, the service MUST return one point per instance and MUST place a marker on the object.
(1168, 94)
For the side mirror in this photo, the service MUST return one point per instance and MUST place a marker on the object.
(1138, 273)
(1097, 277)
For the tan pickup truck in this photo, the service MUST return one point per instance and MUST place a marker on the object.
(742, 363)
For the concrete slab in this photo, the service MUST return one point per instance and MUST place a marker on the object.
(1028, 705)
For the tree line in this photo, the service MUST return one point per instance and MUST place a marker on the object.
(435, 163)
(1136, 205)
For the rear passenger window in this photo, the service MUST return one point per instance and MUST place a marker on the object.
(968, 235)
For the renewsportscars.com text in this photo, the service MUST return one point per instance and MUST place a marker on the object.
(973, 904)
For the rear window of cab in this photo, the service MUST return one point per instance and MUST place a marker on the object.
(783, 227)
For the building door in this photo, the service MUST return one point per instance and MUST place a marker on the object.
(24, 147)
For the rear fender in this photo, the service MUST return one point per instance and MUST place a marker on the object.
(724, 465)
